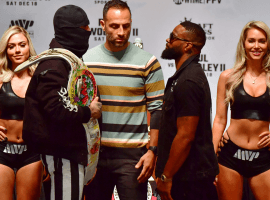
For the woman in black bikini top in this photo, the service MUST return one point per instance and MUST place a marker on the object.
(17, 163)
(246, 88)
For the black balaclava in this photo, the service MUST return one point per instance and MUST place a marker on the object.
(67, 22)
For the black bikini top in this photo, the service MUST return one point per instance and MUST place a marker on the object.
(248, 107)
(11, 105)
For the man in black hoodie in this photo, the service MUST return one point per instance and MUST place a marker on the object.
(51, 127)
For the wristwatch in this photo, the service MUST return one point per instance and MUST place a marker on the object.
(165, 179)
(154, 149)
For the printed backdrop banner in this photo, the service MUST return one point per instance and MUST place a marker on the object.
(152, 21)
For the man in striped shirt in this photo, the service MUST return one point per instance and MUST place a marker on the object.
(130, 82)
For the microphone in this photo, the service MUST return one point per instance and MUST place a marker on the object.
(138, 42)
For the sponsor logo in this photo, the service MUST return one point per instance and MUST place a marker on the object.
(246, 155)
(207, 27)
(22, 22)
(100, 35)
(25, 24)
(210, 68)
(179, 2)
(15, 148)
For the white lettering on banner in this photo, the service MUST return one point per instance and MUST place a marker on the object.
(246, 155)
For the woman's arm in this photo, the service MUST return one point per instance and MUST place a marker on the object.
(220, 120)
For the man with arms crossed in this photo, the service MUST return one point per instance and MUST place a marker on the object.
(186, 164)
(130, 82)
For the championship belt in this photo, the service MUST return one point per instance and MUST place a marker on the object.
(82, 89)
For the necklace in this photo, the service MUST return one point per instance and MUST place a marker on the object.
(253, 78)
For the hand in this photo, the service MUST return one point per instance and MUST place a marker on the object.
(3, 136)
(265, 139)
(148, 162)
(95, 108)
(164, 189)
(221, 143)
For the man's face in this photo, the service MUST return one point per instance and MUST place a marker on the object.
(174, 46)
(117, 26)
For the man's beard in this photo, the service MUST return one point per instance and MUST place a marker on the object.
(114, 43)
(170, 54)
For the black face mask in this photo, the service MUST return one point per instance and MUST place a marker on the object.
(67, 21)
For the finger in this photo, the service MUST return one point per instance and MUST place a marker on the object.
(4, 139)
(146, 176)
(2, 135)
(139, 164)
(3, 128)
(141, 177)
(95, 100)
(265, 143)
(265, 133)
(221, 144)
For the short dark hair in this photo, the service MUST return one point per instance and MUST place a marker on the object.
(114, 4)
(196, 33)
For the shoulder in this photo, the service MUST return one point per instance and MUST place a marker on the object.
(224, 76)
(95, 51)
(194, 72)
(52, 64)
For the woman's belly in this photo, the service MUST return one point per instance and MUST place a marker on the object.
(14, 130)
(245, 132)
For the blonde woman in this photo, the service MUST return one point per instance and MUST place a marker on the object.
(17, 164)
(246, 88)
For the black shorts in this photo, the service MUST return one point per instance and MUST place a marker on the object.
(246, 162)
(16, 155)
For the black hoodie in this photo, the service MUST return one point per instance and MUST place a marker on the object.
(49, 127)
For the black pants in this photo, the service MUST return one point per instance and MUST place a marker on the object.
(119, 172)
(194, 190)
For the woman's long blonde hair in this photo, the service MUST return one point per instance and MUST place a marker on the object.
(6, 73)
(236, 76)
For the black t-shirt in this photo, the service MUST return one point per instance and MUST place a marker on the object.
(187, 93)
